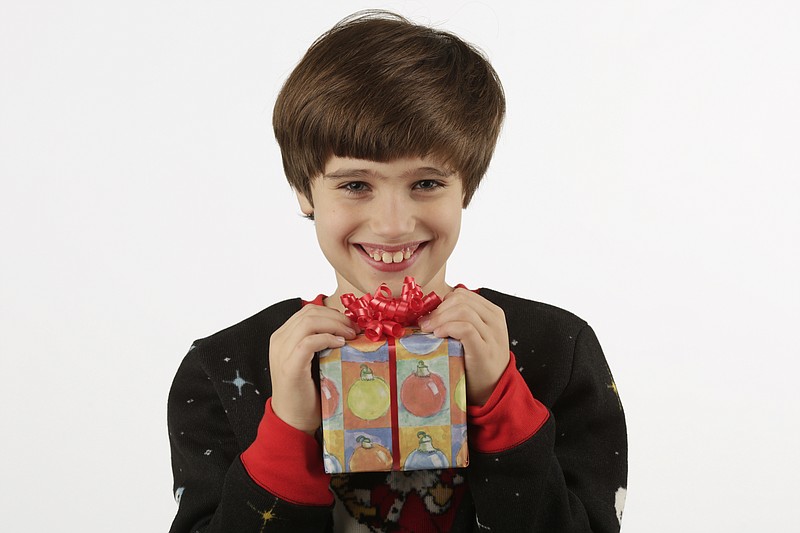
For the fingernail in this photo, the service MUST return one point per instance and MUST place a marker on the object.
(424, 323)
(340, 340)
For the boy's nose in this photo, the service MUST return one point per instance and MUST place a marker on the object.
(393, 219)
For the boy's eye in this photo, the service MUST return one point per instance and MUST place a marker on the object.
(427, 184)
(355, 187)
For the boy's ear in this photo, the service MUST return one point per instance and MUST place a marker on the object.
(305, 204)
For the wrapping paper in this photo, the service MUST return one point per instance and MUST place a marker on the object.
(395, 404)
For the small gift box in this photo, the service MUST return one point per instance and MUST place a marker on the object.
(394, 398)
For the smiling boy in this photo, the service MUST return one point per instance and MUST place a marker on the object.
(386, 129)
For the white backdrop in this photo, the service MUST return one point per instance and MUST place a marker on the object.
(646, 179)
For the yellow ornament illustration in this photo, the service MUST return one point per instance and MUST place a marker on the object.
(369, 397)
(460, 394)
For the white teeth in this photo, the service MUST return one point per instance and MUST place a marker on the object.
(391, 257)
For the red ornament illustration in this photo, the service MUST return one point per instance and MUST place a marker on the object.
(329, 396)
(423, 392)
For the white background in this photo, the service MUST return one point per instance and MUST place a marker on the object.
(646, 179)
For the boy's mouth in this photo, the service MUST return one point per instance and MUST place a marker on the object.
(390, 254)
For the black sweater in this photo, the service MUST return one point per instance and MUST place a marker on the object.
(569, 476)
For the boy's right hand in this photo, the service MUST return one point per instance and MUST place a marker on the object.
(295, 395)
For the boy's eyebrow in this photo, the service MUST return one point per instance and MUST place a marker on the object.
(351, 173)
(355, 173)
(439, 172)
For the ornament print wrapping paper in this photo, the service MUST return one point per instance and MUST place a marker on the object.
(394, 402)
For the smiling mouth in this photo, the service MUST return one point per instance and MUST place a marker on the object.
(390, 254)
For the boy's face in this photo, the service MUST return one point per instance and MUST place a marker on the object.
(379, 222)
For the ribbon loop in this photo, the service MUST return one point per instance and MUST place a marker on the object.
(383, 316)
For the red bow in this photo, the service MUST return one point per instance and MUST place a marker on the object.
(381, 315)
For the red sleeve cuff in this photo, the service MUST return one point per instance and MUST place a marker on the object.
(511, 415)
(287, 462)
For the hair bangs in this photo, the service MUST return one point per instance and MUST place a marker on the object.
(379, 87)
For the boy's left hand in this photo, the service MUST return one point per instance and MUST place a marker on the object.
(481, 327)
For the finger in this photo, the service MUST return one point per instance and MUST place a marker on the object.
(317, 312)
(314, 323)
(488, 311)
(466, 334)
(320, 341)
(299, 359)
(463, 315)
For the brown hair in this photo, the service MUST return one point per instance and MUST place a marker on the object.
(379, 87)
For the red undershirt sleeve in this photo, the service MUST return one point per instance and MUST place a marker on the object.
(287, 462)
(511, 415)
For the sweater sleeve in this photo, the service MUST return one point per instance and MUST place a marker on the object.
(510, 416)
(213, 490)
(287, 462)
(570, 475)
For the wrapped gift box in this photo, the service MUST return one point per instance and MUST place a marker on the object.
(394, 404)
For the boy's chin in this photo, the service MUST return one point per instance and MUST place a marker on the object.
(393, 280)
(369, 283)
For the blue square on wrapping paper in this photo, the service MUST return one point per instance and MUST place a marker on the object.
(455, 348)
(378, 356)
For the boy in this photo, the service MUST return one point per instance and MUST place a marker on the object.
(386, 129)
